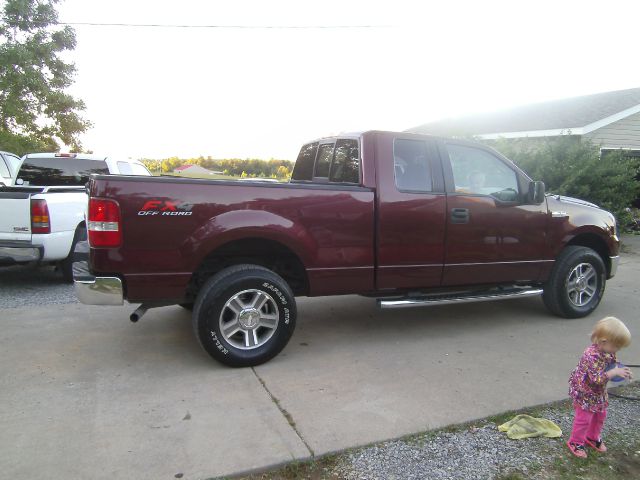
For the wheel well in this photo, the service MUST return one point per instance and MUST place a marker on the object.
(257, 251)
(595, 243)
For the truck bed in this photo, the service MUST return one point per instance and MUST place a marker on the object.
(171, 226)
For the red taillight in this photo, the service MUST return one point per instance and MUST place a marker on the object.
(40, 217)
(104, 223)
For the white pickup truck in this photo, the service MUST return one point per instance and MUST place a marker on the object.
(42, 216)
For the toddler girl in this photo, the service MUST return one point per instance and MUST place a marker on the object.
(588, 382)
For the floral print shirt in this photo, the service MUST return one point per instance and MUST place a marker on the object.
(588, 381)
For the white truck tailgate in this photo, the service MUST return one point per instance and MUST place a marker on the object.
(15, 216)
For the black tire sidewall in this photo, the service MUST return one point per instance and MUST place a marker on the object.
(214, 296)
(66, 266)
(567, 264)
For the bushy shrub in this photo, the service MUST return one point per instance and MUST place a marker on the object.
(574, 167)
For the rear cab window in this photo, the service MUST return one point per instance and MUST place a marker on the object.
(59, 171)
(412, 166)
(329, 161)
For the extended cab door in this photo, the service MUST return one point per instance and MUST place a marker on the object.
(411, 212)
(493, 235)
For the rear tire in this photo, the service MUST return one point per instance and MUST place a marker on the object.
(576, 284)
(244, 315)
(66, 265)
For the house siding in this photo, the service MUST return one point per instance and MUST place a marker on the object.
(624, 133)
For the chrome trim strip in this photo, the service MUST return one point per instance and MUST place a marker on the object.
(339, 268)
(615, 261)
(418, 302)
(99, 291)
(21, 254)
(440, 265)
(463, 264)
(496, 263)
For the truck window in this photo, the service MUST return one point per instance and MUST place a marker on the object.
(476, 171)
(63, 171)
(4, 170)
(412, 166)
(303, 169)
(14, 163)
(323, 161)
(125, 168)
(345, 167)
(140, 169)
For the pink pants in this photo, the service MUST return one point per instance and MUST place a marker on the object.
(586, 424)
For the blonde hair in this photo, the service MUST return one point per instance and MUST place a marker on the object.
(612, 330)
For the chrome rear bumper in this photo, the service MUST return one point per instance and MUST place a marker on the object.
(99, 291)
(19, 252)
(92, 290)
(614, 265)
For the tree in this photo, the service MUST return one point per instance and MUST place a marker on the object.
(35, 111)
(283, 172)
(572, 166)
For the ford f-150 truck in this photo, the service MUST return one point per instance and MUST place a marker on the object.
(42, 215)
(408, 219)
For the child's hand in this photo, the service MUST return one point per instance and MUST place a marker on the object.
(624, 372)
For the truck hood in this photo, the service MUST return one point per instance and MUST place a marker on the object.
(577, 201)
(581, 213)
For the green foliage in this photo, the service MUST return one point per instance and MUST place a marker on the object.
(574, 167)
(35, 112)
(234, 167)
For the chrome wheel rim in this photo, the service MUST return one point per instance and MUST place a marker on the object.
(582, 284)
(249, 319)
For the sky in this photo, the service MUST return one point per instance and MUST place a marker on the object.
(263, 92)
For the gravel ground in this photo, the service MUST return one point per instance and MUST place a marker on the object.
(480, 451)
(32, 285)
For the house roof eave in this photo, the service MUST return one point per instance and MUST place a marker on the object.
(565, 131)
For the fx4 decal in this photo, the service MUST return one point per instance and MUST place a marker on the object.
(165, 208)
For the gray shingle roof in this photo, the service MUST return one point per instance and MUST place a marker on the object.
(564, 114)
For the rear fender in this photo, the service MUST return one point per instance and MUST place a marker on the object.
(239, 224)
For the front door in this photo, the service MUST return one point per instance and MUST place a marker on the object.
(493, 236)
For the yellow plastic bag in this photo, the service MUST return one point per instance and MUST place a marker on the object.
(526, 426)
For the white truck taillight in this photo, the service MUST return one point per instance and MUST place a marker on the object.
(40, 217)
(104, 223)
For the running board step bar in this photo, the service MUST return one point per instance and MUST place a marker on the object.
(405, 302)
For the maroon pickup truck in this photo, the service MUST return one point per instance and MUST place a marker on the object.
(408, 219)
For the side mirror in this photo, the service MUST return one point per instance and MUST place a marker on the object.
(536, 193)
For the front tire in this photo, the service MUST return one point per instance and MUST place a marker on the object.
(576, 284)
(244, 315)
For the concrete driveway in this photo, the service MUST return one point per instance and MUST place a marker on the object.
(86, 394)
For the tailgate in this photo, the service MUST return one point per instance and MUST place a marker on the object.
(15, 216)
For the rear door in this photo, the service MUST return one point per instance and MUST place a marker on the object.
(493, 236)
(411, 212)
